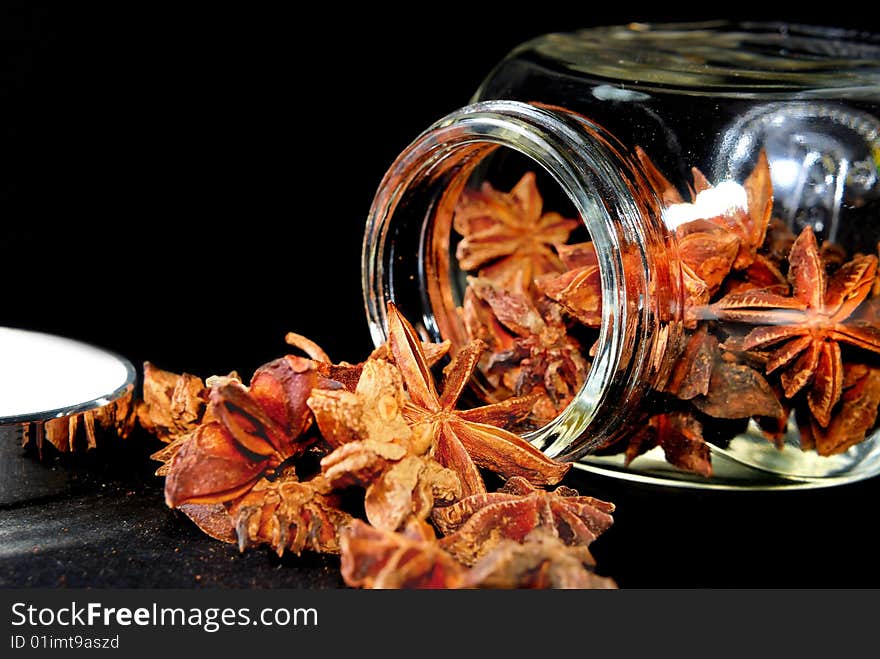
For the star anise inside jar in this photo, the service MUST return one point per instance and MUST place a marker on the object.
(776, 325)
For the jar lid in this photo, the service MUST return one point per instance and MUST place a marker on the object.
(44, 377)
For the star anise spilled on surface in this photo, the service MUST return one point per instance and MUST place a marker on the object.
(246, 431)
(463, 440)
(298, 461)
(475, 525)
(518, 537)
(805, 330)
(375, 448)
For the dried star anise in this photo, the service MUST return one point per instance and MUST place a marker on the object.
(859, 403)
(810, 324)
(507, 235)
(412, 558)
(171, 405)
(777, 303)
(475, 525)
(253, 429)
(541, 560)
(745, 221)
(542, 357)
(233, 466)
(578, 289)
(679, 434)
(373, 558)
(376, 449)
(289, 515)
(462, 440)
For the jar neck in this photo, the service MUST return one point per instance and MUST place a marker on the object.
(640, 284)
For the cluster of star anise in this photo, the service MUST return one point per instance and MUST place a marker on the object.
(372, 462)
(774, 324)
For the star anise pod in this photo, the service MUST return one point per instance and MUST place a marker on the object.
(481, 323)
(464, 439)
(376, 449)
(171, 405)
(856, 416)
(251, 430)
(507, 235)
(716, 384)
(707, 252)
(475, 525)
(541, 560)
(289, 515)
(398, 484)
(578, 289)
(347, 374)
(544, 356)
(379, 559)
(372, 411)
(810, 324)
(746, 219)
(679, 434)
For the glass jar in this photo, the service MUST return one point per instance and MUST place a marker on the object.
(667, 236)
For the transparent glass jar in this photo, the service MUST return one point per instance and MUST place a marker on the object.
(668, 236)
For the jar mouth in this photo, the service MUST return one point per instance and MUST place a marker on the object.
(718, 58)
(411, 218)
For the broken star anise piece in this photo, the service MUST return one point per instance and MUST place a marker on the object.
(376, 449)
(680, 435)
(171, 405)
(289, 515)
(808, 326)
(506, 235)
(544, 356)
(708, 251)
(856, 416)
(737, 391)
(211, 467)
(399, 485)
(371, 411)
(245, 432)
(475, 525)
(460, 439)
(692, 372)
(541, 560)
(373, 558)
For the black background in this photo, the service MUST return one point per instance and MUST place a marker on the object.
(185, 186)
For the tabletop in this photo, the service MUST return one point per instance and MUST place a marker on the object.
(99, 520)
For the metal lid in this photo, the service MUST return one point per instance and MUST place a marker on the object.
(49, 385)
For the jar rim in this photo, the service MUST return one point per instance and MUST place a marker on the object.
(589, 170)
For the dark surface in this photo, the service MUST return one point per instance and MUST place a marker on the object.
(99, 520)
(129, 135)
